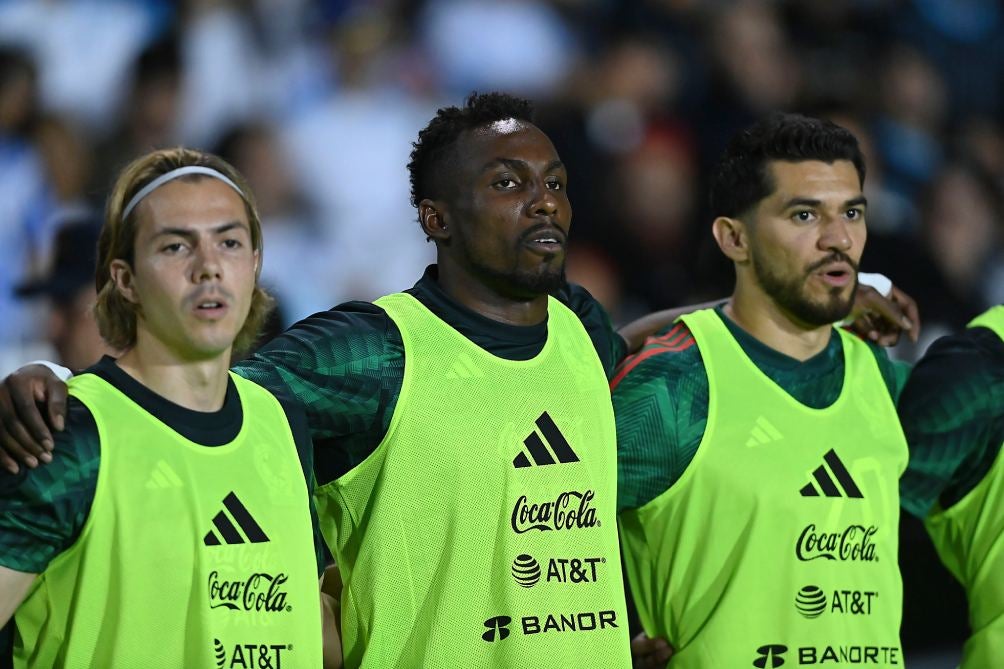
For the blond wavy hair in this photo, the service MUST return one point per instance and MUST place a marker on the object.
(117, 316)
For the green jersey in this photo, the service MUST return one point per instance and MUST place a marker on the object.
(338, 375)
(968, 532)
(810, 491)
(660, 399)
(495, 494)
(189, 555)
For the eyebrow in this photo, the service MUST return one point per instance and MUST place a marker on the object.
(809, 202)
(188, 233)
(516, 164)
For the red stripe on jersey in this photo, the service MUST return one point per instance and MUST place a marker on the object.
(654, 346)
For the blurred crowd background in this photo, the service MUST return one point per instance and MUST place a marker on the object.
(317, 103)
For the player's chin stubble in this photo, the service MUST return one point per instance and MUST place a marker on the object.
(791, 295)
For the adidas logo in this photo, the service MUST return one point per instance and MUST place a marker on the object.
(827, 486)
(763, 433)
(538, 449)
(163, 477)
(227, 524)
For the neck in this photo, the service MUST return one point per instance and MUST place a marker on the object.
(199, 385)
(487, 299)
(756, 313)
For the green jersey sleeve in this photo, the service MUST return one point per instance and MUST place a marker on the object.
(952, 411)
(660, 397)
(344, 367)
(43, 510)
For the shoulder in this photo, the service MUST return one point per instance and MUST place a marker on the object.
(42, 510)
(349, 320)
(77, 444)
(586, 307)
(969, 364)
(893, 372)
(668, 355)
(595, 320)
(334, 338)
(578, 299)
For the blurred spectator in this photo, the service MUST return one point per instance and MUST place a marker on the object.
(295, 270)
(25, 199)
(349, 153)
(69, 288)
(954, 266)
(912, 115)
(84, 49)
(151, 119)
(520, 45)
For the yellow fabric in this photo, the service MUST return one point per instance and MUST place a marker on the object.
(450, 553)
(142, 589)
(779, 542)
(969, 538)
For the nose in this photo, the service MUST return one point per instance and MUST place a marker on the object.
(835, 235)
(207, 265)
(544, 203)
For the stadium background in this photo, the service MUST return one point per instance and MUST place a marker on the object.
(317, 104)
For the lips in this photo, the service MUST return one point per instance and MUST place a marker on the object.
(210, 306)
(547, 239)
(836, 274)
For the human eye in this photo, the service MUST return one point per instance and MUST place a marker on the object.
(505, 183)
(555, 184)
(232, 243)
(803, 216)
(171, 248)
(855, 213)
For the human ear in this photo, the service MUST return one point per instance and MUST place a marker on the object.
(433, 218)
(124, 279)
(732, 238)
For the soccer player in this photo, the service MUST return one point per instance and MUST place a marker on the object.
(463, 431)
(952, 410)
(759, 446)
(175, 527)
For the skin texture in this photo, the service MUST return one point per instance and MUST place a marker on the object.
(812, 224)
(508, 189)
(192, 242)
(193, 245)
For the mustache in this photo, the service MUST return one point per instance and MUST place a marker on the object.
(836, 256)
(213, 292)
(550, 227)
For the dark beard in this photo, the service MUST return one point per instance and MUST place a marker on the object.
(522, 284)
(789, 295)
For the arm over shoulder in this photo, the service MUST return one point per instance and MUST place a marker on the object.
(343, 366)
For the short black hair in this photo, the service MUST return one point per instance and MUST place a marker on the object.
(437, 139)
(741, 178)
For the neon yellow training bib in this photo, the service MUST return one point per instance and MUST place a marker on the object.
(969, 538)
(482, 531)
(778, 545)
(192, 556)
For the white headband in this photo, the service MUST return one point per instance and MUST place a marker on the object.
(171, 176)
